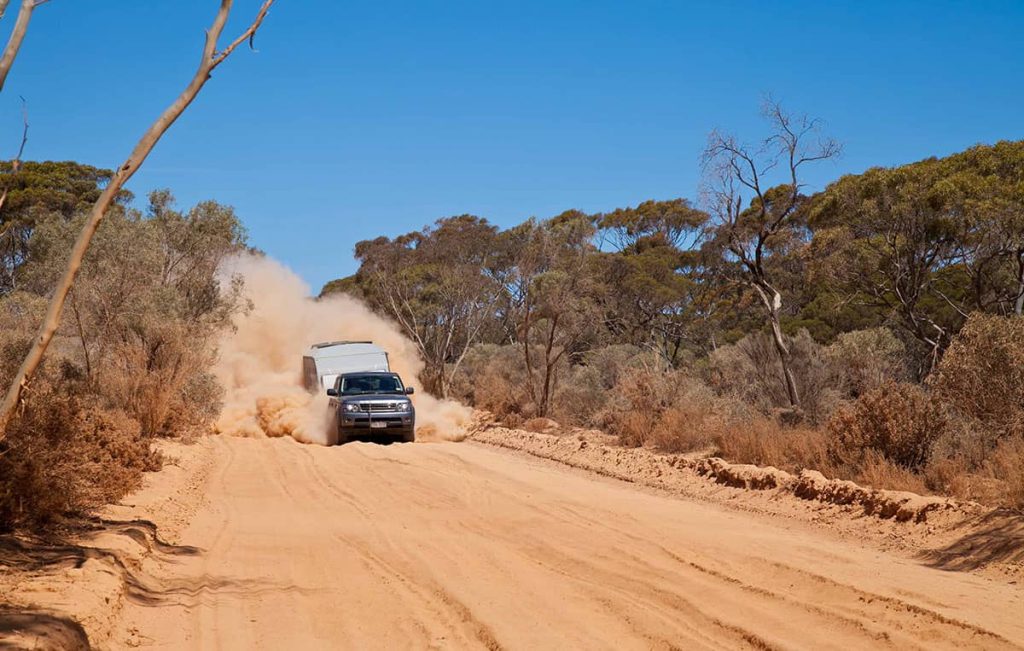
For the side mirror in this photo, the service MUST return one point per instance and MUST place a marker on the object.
(409, 391)
(332, 392)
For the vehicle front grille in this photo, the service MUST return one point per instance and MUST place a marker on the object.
(392, 421)
(377, 406)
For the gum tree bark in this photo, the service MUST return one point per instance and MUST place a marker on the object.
(211, 58)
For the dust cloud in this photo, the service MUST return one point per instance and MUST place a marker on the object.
(261, 360)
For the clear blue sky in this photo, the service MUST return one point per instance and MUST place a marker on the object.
(360, 119)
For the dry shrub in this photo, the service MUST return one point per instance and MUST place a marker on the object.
(540, 425)
(63, 457)
(751, 371)
(640, 398)
(954, 476)
(493, 377)
(670, 410)
(763, 441)
(176, 395)
(584, 398)
(687, 426)
(901, 422)
(610, 362)
(194, 407)
(864, 360)
(982, 373)
(581, 398)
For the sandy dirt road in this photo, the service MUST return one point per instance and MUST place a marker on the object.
(465, 546)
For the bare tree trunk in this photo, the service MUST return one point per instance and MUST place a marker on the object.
(549, 367)
(785, 358)
(211, 58)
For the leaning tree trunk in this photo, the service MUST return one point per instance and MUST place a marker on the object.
(773, 303)
(211, 58)
(786, 359)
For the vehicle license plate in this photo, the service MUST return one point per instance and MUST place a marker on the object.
(378, 424)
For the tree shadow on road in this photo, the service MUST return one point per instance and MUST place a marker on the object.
(71, 547)
(998, 538)
(79, 543)
(29, 629)
(74, 546)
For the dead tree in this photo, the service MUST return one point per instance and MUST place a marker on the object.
(211, 58)
(753, 220)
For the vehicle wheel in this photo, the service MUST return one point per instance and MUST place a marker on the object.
(409, 438)
(335, 437)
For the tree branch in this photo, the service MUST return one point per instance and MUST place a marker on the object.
(17, 36)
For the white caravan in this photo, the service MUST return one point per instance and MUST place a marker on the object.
(324, 362)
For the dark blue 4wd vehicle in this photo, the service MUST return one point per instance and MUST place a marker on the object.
(372, 406)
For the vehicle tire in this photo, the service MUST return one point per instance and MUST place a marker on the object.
(409, 438)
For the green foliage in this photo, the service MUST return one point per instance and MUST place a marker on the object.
(438, 284)
(653, 224)
(36, 192)
(928, 242)
(144, 314)
(349, 285)
(63, 188)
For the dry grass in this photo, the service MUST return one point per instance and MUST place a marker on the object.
(686, 428)
(1006, 466)
(877, 471)
(540, 425)
(764, 442)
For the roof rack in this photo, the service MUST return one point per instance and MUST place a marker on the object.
(326, 344)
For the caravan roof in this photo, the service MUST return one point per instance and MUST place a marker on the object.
(342, 348)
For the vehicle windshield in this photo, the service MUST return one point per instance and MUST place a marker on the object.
(354, 385)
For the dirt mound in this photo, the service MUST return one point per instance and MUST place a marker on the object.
(641, 465)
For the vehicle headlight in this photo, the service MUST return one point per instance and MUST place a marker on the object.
(403, 406)
(352, 407)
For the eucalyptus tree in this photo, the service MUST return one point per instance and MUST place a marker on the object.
(652, 301)
(438, 284)
(928, 242)
(554, 292)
